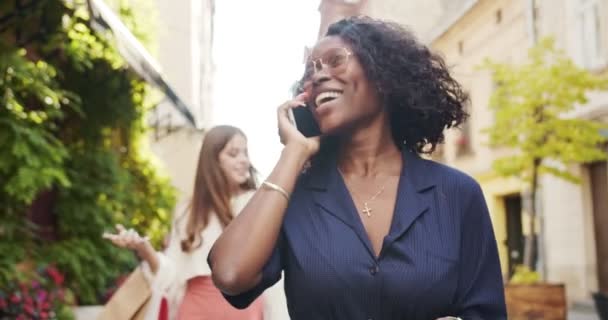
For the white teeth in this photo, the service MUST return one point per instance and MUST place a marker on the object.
(325, 95)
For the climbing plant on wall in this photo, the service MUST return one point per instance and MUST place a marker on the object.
(74, 158)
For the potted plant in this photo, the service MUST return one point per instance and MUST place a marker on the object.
(529, 298)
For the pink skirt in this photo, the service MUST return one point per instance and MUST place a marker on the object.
(204, 301)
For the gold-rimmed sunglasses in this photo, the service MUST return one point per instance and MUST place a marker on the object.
(335, 59)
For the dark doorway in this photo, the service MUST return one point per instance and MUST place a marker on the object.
(515, 234)
(599, 195)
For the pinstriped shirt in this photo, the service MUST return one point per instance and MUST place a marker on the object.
(439, 258)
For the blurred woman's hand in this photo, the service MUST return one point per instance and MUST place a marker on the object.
(290, 136)
(129, 239)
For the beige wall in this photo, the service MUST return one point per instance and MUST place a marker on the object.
(335, 10)
(176, 51)
(184, 53)
(178, 154)
(207, 65)
(568, 234)
(568, 32)
(481, 37)
(419, 16)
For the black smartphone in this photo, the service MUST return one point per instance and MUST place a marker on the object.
(304, 120)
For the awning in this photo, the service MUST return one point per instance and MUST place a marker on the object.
(134, 53)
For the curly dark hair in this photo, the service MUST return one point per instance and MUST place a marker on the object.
(414, 83)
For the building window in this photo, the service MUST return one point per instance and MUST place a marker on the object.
(460, 47)
(498, 16)
(589, 32)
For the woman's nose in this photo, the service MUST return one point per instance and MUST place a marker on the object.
(321, 75)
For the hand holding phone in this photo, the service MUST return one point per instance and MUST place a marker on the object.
(304, 121)
(297, 128)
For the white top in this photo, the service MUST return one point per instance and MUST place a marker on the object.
(177, 267)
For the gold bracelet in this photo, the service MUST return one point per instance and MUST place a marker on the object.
(274, 187)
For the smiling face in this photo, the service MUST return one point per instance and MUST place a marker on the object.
(234, 161)
(341, 96)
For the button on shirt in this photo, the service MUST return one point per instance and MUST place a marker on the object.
(439, 258)
(373, 270)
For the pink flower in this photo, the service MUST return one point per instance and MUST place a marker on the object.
(15, 298)
(60, 295)
(55, 275)
(23, 286)
(41, 295)
(28, 300)
(29, 309)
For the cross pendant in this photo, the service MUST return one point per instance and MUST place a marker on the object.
(367, 210)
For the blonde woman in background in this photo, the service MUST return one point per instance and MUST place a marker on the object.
(223, 185)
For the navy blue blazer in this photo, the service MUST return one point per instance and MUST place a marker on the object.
(439, 258)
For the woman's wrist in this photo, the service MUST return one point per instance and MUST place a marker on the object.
(296, 152)
(148, 254)
(145, 250)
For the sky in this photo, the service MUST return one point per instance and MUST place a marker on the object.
(258, 53)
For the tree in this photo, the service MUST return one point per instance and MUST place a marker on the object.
(531, 105)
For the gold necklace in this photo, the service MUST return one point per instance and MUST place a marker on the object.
(367, 210)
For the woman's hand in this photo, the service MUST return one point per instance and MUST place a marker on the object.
(129, 239)
(290, 136)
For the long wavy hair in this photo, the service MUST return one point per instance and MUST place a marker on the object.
(212, 192)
